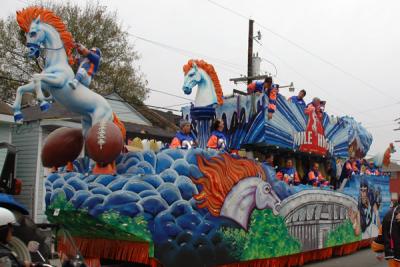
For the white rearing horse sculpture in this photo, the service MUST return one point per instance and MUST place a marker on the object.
(44, 29)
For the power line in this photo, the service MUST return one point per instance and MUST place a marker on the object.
(177, 105)
(379, 126)
(305, 78)
(165, 93)
(374, 88)
(138, 106)
(232, 67)
(276, 70)
(379, 108)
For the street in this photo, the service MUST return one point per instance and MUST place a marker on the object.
(364, 258)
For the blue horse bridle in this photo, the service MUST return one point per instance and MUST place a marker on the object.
(34, 49)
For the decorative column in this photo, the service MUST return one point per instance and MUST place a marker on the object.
(203, 118)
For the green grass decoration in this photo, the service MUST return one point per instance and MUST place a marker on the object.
(343, 234)
(109, 225)
(267, 237)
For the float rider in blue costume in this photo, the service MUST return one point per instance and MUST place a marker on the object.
(299, 99)
(183, 138)
(217, 139)
(88, 65)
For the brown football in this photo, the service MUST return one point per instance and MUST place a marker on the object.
(104, 142)
(61, 146)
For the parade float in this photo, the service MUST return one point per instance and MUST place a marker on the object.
(197, 207)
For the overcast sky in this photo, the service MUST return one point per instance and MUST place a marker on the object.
(360, 38)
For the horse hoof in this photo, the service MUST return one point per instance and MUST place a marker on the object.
(44, 106)
(18, 117)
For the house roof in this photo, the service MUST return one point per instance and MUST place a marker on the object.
(165, 120)
(56, 111)
(162, 126)
(5, 109)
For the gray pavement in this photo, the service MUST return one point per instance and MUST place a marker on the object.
(362, 258)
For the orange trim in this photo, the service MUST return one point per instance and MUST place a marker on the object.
(251, 86)
(175, 143)
(305, 257)
(110, 168)
(120, 125)
(212, 142)
(272, 106)
(376, 247)
(393, 263)
(109, 249)
(91, 69)
(69, 167)
(273, 94)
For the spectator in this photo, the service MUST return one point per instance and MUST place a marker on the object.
(299, 99)
(183, 138)
(217, 139)
(289, 173)
(388, 239)
(7, 256)
(315, 177)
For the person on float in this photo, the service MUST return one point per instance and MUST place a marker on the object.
(299, 99)
(289, 173)
(371, 169)
(349, 169)
(7, 256)
(331, 172)
(217, 139)
(270, 89)
(315, 105)
(272, 94)
(356, 165)
(315, 177)
(183, 138)
(387, 243)
(88, 65)
(259, 86)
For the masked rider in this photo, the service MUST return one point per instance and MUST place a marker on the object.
(88, 65)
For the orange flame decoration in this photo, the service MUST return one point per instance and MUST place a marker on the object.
(209, 69)
(221, 174)
(27, 15)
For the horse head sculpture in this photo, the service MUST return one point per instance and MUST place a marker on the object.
(233, 188)
(202, 74)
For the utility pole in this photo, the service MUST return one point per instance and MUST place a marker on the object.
(250, 52)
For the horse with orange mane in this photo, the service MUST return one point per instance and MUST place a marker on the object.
(233, 188)
(46, 31)
(202, 74)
